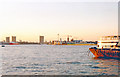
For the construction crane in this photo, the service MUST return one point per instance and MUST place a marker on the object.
(60, 39)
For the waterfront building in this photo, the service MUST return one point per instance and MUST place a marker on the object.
(7, 39)
(3, 40)
(41, 39)
(20, 41)
(77, 41)
(56, 42)
(13, 38)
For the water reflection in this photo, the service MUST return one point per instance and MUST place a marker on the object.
(106, 66)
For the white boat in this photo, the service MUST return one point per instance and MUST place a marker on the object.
(108, 46)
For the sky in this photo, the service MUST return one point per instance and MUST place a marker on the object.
(28, 19)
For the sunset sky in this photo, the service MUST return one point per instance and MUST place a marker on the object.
(27, 19)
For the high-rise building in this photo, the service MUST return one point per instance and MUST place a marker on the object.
(7, 39)
(41, 39)
(13, 38)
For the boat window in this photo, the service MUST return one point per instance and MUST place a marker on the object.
(118, 46)
(98, 45)
(111, 45)
(119, 37)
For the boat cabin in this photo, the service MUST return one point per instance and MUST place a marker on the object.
(112, 42)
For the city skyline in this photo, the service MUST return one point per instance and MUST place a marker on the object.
(82, 20)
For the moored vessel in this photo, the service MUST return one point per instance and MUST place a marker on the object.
(3, 45)
(13, 43)
(107, 47)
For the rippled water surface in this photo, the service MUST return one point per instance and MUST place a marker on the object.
(54, 60)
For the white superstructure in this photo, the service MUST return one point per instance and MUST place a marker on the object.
(109, 42)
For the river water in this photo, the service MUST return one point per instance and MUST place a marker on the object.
(54, 60)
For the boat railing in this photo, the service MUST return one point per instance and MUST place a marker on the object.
(109, 39)
(94, 47)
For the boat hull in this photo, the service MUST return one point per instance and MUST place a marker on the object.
(106, 53)
(13, 43)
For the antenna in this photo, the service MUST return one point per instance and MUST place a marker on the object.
(58, 37)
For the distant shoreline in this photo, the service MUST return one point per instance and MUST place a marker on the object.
(54, 44)
(81, 44)
(73, 44)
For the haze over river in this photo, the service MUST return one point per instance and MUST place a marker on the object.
(54, 60)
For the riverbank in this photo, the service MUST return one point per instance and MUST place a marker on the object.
(72, 44)
(81, 44)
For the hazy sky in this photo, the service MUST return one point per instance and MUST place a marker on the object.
(27, 19)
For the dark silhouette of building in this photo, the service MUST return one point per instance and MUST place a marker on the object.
(7, 39)
(13, 38)
(41, 39)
